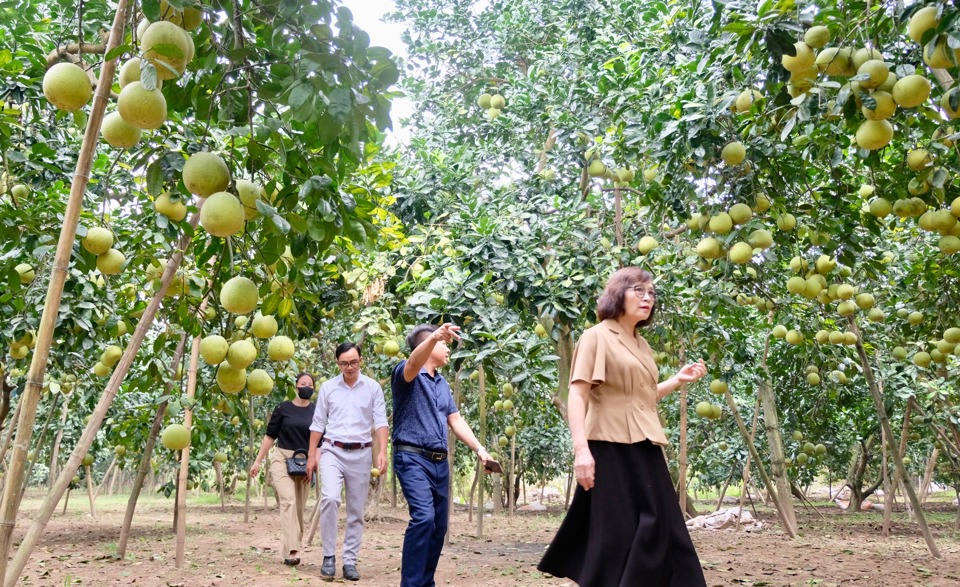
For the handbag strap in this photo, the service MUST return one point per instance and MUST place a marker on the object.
(300, 451)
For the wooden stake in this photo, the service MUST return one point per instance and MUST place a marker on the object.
(185, 453)
(252, 454)
(682, 473)
(888, 431)
(223, 498)
(113, 463)
(12, 494)
(55, 453)
(482, 436)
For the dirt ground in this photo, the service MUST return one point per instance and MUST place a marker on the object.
(222, 550)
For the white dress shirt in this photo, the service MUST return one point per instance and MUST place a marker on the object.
(346, 413)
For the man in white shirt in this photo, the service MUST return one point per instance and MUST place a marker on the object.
(349, 406)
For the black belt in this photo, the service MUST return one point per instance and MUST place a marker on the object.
(430, 454)
(349, 445)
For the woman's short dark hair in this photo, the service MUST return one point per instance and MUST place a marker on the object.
(610, 304)
(313, 380)
(346, 347)
(420, 334)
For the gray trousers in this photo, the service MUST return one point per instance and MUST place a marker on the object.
(339, 469)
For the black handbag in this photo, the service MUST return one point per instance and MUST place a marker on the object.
(297, 465)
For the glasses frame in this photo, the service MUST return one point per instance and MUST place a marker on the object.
(349, 364)
(642, 291)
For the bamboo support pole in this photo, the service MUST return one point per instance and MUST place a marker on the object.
(96, 418)
(43, 435)
(682, 472)
(251, 454)
(12, 494)
(888, 431)
(483, 434)
(223, 497)
(11, 431)
(55, 453)
(113, 463)
(185, 453)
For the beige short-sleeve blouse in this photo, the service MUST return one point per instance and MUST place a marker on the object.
(622, 405)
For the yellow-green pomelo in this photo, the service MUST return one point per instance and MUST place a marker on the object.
(813, 379)
(761, 203)
(205, 174)
(817, 36)
(796, 284)
(281, 348)
(130, 72)
(596, 168)
(220, 457)
(899, 353)
(213, 349)
(101, 370)
(845, 291)
(849, 338)
(883, 109)
(259, 382)
(874, 134)
(942, 56)
(945, 104)
(865, 301)
(709, 248)
(922, 359)
(26, 272)
(720, 223)
(918, 159)
(249, 193)
(733, 153)
(876, 69)
(497, 101)
(142, 108)
(118, 133)
(175, 437)
(705, 409)
(167, 47)
(803, 59)
(222, 214)
(846, 308)
(67, 86)
(876, 315)
(741, 253)
(647, 244)
(111, 355)
(862, 55)
(915, 318)
(241, 354)
(484, 101)
(111, 262)
(836, 337)
(949, 245)
(812, 287)
(922, 21)
(880, 207)
(786, 222)
(761, 238)
(229, 379)
(779, 331)
(745, 100)
(866, 190)
(794, 337)
(740, 213)
(174, 210)
(942, 221)
(264, 326)
(391, 348)
(836, 61)
(718, 386)
(239, 295)
(911, 91)
(952, 335)
(98, 241)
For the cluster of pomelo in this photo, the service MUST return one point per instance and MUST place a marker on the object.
(740, 218)
(492, 104)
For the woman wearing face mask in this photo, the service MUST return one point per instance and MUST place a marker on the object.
(289, 429)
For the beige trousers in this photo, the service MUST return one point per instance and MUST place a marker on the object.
(293, 493)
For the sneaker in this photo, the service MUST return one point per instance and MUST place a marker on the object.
(329, 568)
(350, 573)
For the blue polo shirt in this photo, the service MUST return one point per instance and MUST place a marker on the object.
(420, 409)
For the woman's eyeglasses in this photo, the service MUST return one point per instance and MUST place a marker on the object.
(643, 291)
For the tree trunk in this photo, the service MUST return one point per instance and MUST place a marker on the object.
(12, 494)
(482, 403)
(113, 463)
(771, 422)
(89, 472)
(682, 466)
(9, 436)
(565, 347)
(5, 390)
(788, 527)
(928, 474)
(251, 454)
(885, 423)
(55, 453)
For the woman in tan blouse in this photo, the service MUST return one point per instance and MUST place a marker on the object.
(624, 527)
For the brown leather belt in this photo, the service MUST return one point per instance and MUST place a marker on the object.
(349, 445)
(430, 454)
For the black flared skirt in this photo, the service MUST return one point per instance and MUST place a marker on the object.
(628, 531)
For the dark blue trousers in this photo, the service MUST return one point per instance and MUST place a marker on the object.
(425, 485)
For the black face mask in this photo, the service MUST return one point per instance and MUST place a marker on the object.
(305, 391)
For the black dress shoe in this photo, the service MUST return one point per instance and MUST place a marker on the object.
(350, 573)
(329, 568)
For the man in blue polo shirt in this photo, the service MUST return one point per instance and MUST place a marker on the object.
(422, 409)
